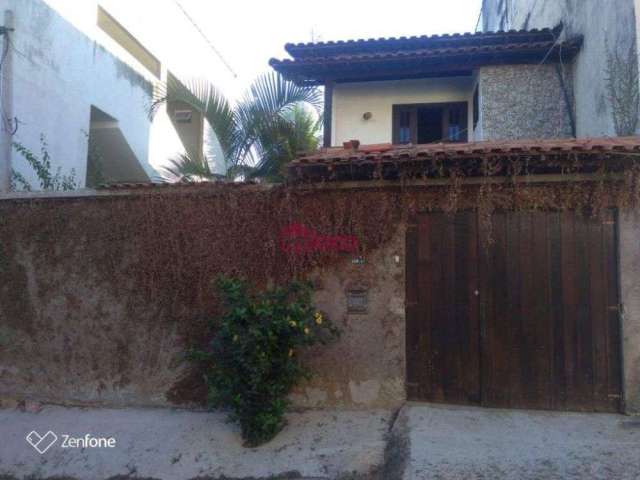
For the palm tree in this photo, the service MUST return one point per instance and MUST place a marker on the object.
(276, 147)
(258, 135)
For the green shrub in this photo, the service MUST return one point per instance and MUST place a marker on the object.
(252, 363)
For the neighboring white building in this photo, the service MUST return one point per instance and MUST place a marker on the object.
(73, 74)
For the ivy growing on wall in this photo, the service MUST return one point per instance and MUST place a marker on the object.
(41, 165)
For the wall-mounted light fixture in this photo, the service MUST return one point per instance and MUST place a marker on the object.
(367, 116)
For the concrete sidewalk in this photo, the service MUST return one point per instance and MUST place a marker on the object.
(448, 442)
(181, 445)
(424, 442)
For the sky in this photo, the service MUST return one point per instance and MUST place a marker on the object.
(249, 32)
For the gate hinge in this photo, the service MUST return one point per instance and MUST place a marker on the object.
(617, 308)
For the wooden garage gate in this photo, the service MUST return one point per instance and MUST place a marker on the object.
(531, 321)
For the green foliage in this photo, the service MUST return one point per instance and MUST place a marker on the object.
(185, 168)
(259, 133)
(279, 144)
(43, 169)
(252, 363)
(19, 182)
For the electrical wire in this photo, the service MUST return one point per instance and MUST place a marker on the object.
(206, 39)
(479, 17)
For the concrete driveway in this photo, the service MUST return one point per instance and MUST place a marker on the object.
(447, 442)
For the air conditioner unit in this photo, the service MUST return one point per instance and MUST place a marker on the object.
(183, 116)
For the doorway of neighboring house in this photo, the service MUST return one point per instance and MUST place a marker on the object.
(95, 157)
(529, 319)
(110, 158)
(430, 123)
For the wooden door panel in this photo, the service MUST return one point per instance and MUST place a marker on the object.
(495, 320)
(613, 316)
(442, 341)
(528, 319)
(550, 339)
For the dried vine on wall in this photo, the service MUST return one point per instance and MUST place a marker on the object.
(162, 250)
(622, 87)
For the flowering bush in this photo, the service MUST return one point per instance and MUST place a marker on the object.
(252, 362)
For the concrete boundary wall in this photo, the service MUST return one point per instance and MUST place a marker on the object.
(70, 335)
(75, 327)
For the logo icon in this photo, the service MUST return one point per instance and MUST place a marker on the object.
(42, 443)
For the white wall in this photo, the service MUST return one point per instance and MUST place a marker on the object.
(134, 16)
(58, 74)
(351, 100)
(607, 25)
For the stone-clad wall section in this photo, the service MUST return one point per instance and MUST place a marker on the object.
(522, 102)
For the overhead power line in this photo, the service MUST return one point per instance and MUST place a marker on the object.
(206, 39)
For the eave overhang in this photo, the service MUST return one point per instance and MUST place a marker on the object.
(416, 57)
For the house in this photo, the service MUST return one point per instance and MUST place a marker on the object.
(441, 88)
(514, 307)
(78, 85)
(471, 250)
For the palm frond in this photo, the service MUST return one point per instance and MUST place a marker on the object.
(242, 172)
(184, 168)
(297, 131)
(272, 94)
(259, 135)
(270, 99)
(202, 97)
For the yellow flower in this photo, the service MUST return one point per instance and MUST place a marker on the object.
(318, 317)
(291, 352)
(306, 330)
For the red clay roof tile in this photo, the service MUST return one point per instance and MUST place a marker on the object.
(453, 150)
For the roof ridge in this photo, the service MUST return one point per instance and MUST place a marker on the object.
(413, 38)
(421, 52)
